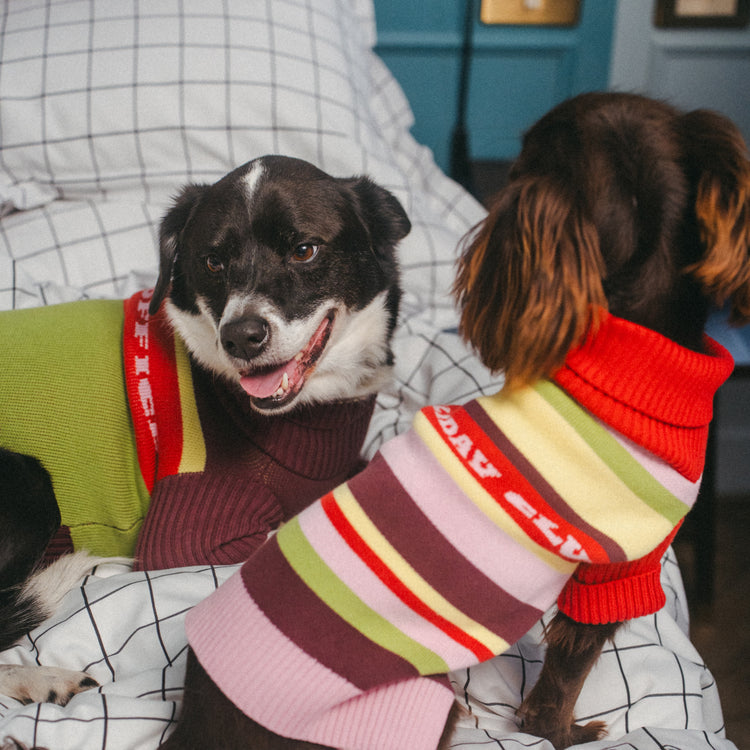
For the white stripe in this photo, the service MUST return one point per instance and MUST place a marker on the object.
(252, 177)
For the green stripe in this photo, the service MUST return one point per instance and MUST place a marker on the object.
(638, 480)
(346, 604)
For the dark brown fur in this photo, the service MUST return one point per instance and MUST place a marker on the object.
(549, 710)
(619, 203)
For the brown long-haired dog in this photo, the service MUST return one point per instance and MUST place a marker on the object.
(617, 203)
(621, 203)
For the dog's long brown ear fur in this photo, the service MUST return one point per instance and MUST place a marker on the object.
(718, 158)
(169, 233)
(529, 280)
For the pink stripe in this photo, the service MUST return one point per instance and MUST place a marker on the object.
(503, 560)
(681, 487)
(409, 714)
(274, 682)
(256, 666)
(355, 574)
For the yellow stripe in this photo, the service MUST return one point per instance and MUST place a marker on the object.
(640, 481)
(312, 569)
(193, 457)
(408, 576)
(575, 471)
(484, 501)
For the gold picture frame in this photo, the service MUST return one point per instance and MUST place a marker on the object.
(702, 14)
(530, 12)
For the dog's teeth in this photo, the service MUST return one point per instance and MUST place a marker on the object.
(298, 357)
(283, 386)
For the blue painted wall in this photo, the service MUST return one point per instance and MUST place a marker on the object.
(518, 73)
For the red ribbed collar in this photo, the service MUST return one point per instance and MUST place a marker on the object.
(653, 391)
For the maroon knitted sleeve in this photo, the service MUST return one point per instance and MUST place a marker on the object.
(196, 519)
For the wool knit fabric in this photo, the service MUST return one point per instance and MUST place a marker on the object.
(222, 476)
(456, 538)
(62, 399)
(130, 429)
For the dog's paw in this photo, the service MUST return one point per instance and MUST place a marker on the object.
(28, 684)
(557, 727)
(580, 733)
(561, 736)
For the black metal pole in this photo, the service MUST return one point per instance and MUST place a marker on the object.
(460, 168)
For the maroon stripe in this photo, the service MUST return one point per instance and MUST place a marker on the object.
(539, 483)
(410, 531)
(306, 620)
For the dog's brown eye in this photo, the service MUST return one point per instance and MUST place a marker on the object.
(214, 264)
(305, 252)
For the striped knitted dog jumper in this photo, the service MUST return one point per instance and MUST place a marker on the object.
(457, 537)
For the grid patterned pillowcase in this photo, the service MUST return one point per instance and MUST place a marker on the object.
(119, 98)
(107, 108)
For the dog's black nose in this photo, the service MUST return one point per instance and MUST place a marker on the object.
(245, 338)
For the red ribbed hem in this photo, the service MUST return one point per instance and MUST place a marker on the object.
(613, 601)
(615, 592)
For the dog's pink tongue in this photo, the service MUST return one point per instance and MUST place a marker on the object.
(266, 384)
(263, 386)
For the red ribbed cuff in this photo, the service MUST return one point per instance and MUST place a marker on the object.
(601, 594)
(612, 601)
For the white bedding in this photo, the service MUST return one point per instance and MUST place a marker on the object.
(126, 629)
(106, 109)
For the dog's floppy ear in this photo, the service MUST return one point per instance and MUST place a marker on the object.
(382, 213)
(529, 281)
(718, 165)
(170, 230)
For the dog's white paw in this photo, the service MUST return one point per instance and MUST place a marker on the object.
(29, 684)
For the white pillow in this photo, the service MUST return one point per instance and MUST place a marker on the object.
(105, 112)
(120, 98)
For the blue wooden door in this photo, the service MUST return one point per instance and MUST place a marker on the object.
(517, 74)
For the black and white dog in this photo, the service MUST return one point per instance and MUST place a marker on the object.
(285, 279)
(282, 283)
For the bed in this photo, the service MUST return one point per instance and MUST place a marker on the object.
(106, 109)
